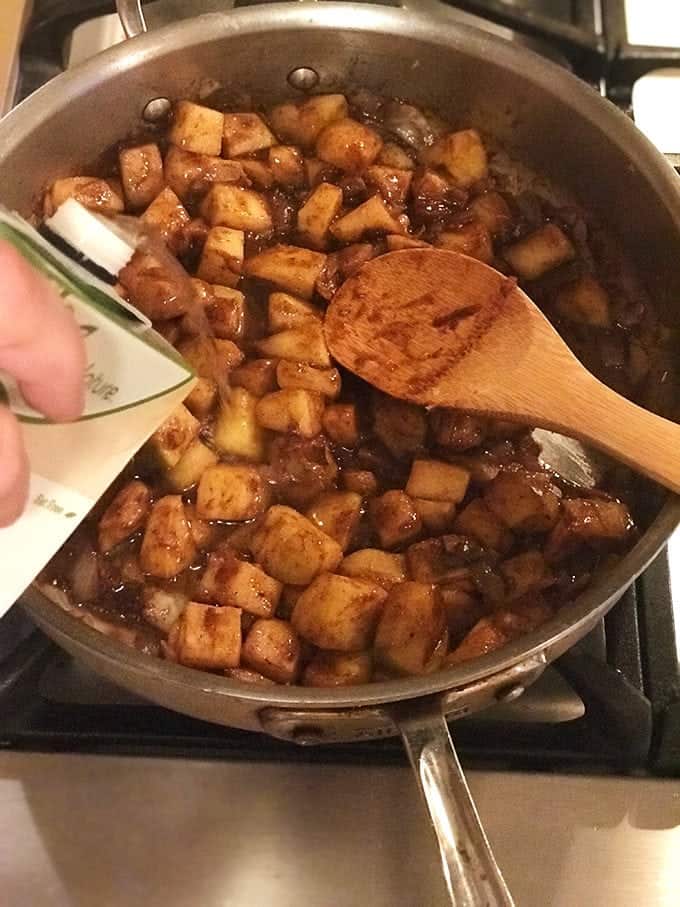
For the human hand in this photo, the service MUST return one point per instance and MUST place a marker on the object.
(41, 347)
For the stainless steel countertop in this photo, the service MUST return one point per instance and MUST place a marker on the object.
(101, 831)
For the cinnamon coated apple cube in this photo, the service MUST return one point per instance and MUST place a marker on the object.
(222, 256)
(306, 343)
(162, 606)
(484, 637)
(126, 513)
(207, 637)
(491, 210)
(291, 410)
(237, 431)
(318, 213)
(337, 513)
(285, 163)
(339, 612)
(584, 301)
(391, 183)
(291, 548)
(341, 424)
(324, 381)
(436, 516)
(291, 268)
(395, 518)
(483, 525)
(526, 573)
(378, 566)
(188, 471)
(197, 128)
(393, 155)
(437, 481)
(202, 397)
(302, 123)
(259, 173)
(168, 546)
(338, 669)
(596, 523)
(230, 492)
(93, 193)
(191, 175)
(141, 174)
(285, 311)
(539, 252)
(272, 647)
(245, 133)
(210, 357)
(172, 439)
(471, 239)
(363, 481)
(227, 313)
(524, 501)
(411, 634)
(156, 292)
(349, 145)
(461, 154)
(168, 215)
(257, 376)
(230, 581)
(372, 216)
(236, 207)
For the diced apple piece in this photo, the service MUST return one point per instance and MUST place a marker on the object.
(289, 267)
(455, 429)
(372, 216)
(285, 163)
(339, 612)
(539, 252)
(259, 173)
(207, 637)
(394, 243)
(188, 471)
(141, 174)
(349, 145)
(324, 381)
(338, 669)
(168, 545)
(197, 128)
(245, 133)
(285, 311)
(471, 239)
(411, 629)
(230, 581)
(483, 638)
(233, 493)
(436, 516)
(524, 501)
(126, 513)
(400, 426)
(272, 647)
(491, 210)
(291, 410)
(318, 213)
(302, 123)
(190, 174)
(292, 549)
(227, 313)
(593, 522)
(92, 192)
(363, 481)
(163, 606)
(526, 574)
(257, 376)
(210, 357)
(393, 155)
(222, 256)
(237, 432)
(170, 442)
(168, 215)
(584, 301)
(238, 208)
(375, 565)
(337, 513)
(461, 154)
(395, 518)
(437, 481)
(202, 398)
(482, 524)
(391, 183)
(306, 343)
(157, 293)
(341, 424)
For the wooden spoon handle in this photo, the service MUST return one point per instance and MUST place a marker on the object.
(593, 412)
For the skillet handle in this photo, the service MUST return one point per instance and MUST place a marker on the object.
(472, 875)
(131, 17)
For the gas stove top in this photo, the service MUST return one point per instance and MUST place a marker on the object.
(612, 704)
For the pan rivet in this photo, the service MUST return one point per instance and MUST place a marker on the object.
(304, 78)
(509, 693)
(156, 110)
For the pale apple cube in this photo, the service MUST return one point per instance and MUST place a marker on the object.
(197, 128)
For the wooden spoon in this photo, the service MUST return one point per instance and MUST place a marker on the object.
(441, 329)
